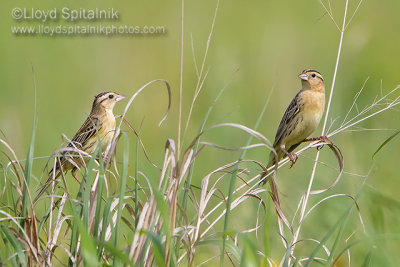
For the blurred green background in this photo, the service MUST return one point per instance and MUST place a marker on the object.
(255, 48)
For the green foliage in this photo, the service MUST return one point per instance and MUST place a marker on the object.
(385, 143)
(197, 200)
(29, 158)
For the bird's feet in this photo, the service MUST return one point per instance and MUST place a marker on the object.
(323, 138)
(293, 158)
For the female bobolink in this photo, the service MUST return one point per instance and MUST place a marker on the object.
(100, 125)
(301, 118)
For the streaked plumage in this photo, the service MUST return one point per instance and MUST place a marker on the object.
(99, 124)
(301, 118)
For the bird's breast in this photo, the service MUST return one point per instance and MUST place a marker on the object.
(313, 110)
(308, 119)
(107, 130)
(314, 107)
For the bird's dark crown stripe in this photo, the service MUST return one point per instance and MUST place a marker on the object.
(101, 94)
(304, 71)
(320, 75)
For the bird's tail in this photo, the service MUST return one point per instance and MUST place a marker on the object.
(52, 177)
(271, 162)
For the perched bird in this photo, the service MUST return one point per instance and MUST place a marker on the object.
(301, 118)
(99, 125)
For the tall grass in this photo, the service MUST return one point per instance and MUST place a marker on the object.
(165, 219)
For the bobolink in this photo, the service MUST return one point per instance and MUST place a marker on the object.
(99, 125)
(301, 118)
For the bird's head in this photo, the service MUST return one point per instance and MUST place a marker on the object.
(312, 79)
(106, 100)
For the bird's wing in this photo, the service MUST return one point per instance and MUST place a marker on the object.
(288, 119)
(79, 141)
(88, 129)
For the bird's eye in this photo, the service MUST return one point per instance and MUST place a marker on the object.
(313, 75)
(110, 96)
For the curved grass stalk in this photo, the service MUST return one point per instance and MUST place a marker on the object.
(308, 192)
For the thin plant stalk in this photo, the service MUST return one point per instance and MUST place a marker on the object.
(181, 80)
(200, 75)
(28, 166)
(232, 184)
(306, 196)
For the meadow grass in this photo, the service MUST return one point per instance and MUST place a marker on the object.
(165, 219)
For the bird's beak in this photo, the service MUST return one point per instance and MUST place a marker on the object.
(120, 97)
(303, 76)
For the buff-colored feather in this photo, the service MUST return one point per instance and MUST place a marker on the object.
(100, 125)
(302, 116)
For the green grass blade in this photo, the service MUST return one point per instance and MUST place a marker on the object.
(125, 162)
(29, 157)
(88, 247)
(339, 224)
(106, 220)
(188, 181)
(117, 253)
(229, 244)
(74, 234)
(196, 146)
(385, 143)
(249, 254)
(9, 249)
(100, 186)
(81, 209)
(136, 183)
(164, 210)
(157, 249)
(367, 260)
(232, 183)
(87, 182)
(267, 236)
(18, 247)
